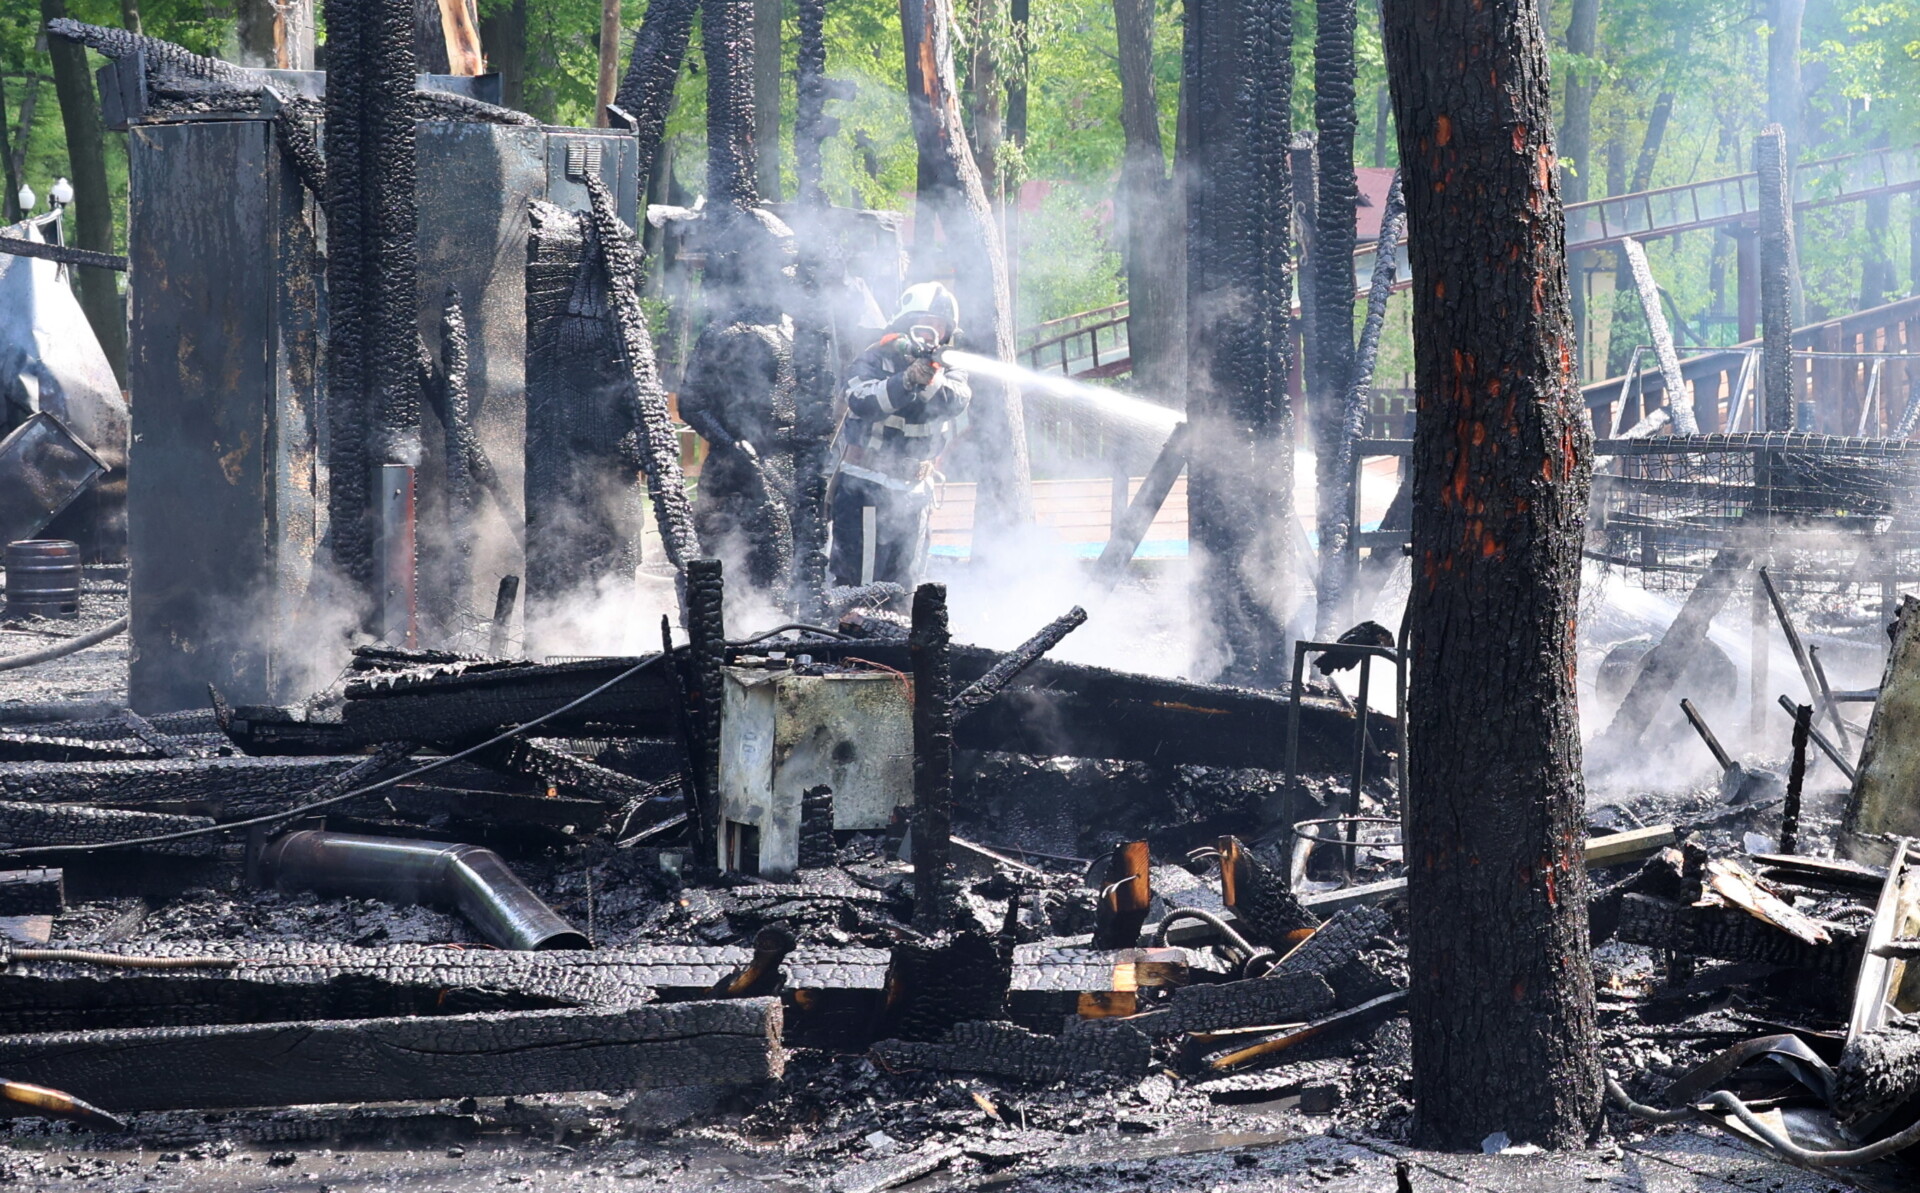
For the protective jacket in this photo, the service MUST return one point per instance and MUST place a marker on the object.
(893, 434)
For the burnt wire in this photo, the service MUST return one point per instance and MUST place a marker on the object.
(357, 792)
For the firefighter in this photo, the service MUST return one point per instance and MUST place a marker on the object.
(904, 406)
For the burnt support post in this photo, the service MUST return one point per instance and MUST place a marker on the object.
(461, 496)
(1239, 79)
(927, 646)
(707, 648)
(373, 398)
(820, 270)
(1776, 276)
(646, 93)
(726, 34)
(1330, 351)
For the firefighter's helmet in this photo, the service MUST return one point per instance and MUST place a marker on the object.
(928, 298)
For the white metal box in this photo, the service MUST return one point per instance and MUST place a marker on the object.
(782, 733)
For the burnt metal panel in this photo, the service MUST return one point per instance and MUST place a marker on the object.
(223, 473)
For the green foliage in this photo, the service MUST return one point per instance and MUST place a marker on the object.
(1066, 263)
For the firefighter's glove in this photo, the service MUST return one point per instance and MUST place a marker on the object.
(920, 374)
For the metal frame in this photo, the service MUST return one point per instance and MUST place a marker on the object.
(1396, 655)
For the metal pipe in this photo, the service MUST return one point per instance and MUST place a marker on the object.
(473, 880)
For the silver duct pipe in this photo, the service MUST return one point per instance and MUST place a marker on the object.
(468, 878)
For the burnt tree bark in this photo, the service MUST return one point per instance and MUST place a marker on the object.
(951, 191)
(1771, 163)
(1156, 289)
(1330, 257)
(1239, 83)
(983, 94)
(608, 84)
(1502, 987)
(92, 200)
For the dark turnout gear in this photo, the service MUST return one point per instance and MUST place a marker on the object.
(738, 395)
(895, 430)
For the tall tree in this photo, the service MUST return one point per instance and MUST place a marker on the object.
(1330, 257)
(1156, 289)
(92, 200)
(1576, 146)
(1238, 79)
(952, 194)
(1501, 1001)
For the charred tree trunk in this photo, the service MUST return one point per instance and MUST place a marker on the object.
(372, 389)
(1502, 987)
(1156, 291)
(646, 94)
(766, 96)
(1771, 162)
(608, 84)
(1330, 352)
(994, 451)
(92, 200)
(1576, 149)
(1239, 83)
(726, 35)
(983, 94)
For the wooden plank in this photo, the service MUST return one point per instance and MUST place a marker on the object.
(402, 1059)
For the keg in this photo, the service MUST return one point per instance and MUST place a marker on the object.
(43, 577)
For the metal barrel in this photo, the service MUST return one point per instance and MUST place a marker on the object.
(43, 578)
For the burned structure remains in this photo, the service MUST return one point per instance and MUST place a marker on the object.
(492, 767)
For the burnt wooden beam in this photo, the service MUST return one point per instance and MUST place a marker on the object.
(1730, 934)
(219, 786)
(407, 1058)
(38, 891)
(1126, 894)
(933, 718)
(30, 824)
(1004, 672)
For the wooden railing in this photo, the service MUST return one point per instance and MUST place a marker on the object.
(1858, 371)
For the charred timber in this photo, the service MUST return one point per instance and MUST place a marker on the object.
(726, 34)
(928, 646)
(659, 446)
(372, 304)
(705, 666)
(933, 986)
(1239, 77)
(1775, 174)
(24, 825)
(646, 93)
(393, 1059)
(1730, 934)
(1330, 363)
(227, 788)
(38, 891)
(1003, 673)
(1879, 1072)
(580, 413)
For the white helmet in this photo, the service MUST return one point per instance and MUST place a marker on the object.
(929, 298)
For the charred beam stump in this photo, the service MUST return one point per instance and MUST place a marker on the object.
(1004, 672)
(461, 495)
(933, 717)
(932, 987)
(1238, 69)
(821, 269)
(1503, 1022)
(1880, 1070)
(816, 827)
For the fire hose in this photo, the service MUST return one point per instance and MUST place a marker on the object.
(62, 649)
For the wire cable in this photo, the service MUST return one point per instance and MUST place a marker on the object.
(356, 793)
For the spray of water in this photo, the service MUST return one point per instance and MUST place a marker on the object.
(1108, 403)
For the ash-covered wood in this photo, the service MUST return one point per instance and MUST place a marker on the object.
(933, 718)
(1284, 997)
(933, 986)
(38, 891)
(1880, 1070)
(23, 824)
(816, 827)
